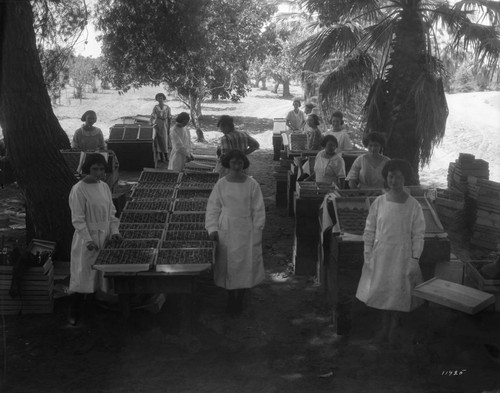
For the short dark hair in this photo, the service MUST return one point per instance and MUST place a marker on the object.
(84, 116)
(329, 138)
(235, 153)
(226, 120)
(160, 95)
(338, 114)
(93, 159)
(398, 164)
(315, 118)
(297, 100)
(376, 137)
(182, 117)
(309, 105)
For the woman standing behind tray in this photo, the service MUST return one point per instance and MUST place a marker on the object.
(329, 166)
(88, 137)
(181, 143)
(160, 119)
(393, 243)
(93, 216)
(366, 171)
(235, 218)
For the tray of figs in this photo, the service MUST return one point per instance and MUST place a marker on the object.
(124, 226)
(142, 233)
(192, 194)
(197, 185)
(159, 176)
(359, 192)
(190, 205)
(187, 217)
(200, 178)
(125, 260)
(152, 204)
(186, 235)
(172, 260)
(185, 226)
(187, 244)
(146, 217)
(152, 193)
(351, 214)
(132, 244)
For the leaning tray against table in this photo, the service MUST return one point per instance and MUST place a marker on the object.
(125, 260)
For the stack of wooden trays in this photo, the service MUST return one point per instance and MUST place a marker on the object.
(475, 277)
(450, 208)
(466, 165)
(34, 296)
(486, 227)
(298, 143)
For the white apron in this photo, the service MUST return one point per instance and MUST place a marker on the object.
(93, 216)
(236, 211)
(394, 233)
(181, 148)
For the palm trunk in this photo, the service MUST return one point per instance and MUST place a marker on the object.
(32, 132)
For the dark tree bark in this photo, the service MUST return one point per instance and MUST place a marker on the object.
(32, 132)
(286, 88)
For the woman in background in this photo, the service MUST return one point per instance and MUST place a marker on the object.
(93, 217)
(235, 219)
(329, 167)
(339, 132)
(366, 171)
(181, 143)
(393, 242)
(88, 137)
(296, 119)
(160, 119)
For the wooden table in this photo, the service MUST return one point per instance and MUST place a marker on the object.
(128, 283)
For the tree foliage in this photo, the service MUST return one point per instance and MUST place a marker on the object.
(200, 48)
(392, 47)
(83, 72)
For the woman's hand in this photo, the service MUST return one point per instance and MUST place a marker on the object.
(214, 236)
(92, 246)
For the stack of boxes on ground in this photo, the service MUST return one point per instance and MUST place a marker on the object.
(26, 283)
(163, 225)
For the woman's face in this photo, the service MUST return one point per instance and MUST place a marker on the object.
(90, 119)
(330, 147)
(395, 180)
(97, 171)
(296, 106)
(160, 100)
(374, 148)
(336, 123)
(236, 164)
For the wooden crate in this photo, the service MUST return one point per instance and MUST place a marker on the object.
(125, 260)
(351, 213)
(455, 296)
(312, 190)
(184, 259)
(152, 175)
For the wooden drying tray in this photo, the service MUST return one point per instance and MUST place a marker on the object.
(455, 296)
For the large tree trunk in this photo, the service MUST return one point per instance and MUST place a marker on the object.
(195, 109)
(286, 88)
(32, 132)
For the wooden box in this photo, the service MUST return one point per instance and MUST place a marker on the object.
(134, 146)
(455, 296)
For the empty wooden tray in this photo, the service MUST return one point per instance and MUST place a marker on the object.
(455, 296)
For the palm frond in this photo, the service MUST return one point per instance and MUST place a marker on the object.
(333, 11)
(489, 8)
(373, 110)
(378, 35)
(320, 46)
(483, 40)
(432, 111)
(348, 78)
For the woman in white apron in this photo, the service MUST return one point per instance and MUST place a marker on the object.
(93, 216)
(393, 242)
(181, 143)
(235, 218)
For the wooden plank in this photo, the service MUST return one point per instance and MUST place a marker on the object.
(455, 296)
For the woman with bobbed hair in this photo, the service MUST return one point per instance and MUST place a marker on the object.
(366, 170)
(88, 137)
(181, 143)
(329, 167)
(393, 242)
(295, 119)
(160, 119)
(93, 217)
(235, 219)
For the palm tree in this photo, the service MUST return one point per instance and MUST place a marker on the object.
(392, 48)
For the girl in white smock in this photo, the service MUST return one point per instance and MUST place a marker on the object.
(329, 167)
(366, 170)
(181, 143)
(393, 242)
(93, 217)
(235, 218)
(339, 132)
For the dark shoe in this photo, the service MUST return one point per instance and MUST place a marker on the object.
(74, 308)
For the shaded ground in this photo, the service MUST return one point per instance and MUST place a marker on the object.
(283, 342)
